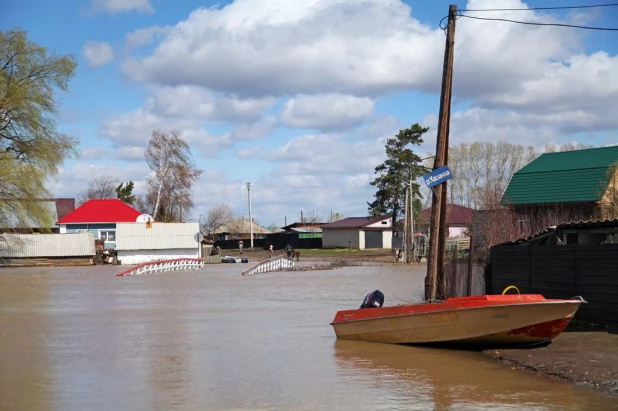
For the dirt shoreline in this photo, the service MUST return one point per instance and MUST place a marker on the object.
(585, 357)
(583, 354)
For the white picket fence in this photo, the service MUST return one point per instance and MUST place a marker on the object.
(164, 265)
(272, 264)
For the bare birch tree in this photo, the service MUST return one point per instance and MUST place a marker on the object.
(173, 176)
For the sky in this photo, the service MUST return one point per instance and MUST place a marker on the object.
(297, 98)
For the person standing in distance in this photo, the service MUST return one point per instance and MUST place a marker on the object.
(240, 245)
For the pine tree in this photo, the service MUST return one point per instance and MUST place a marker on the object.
(401, 167)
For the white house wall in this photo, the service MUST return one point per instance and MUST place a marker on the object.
(455, 232)
(340, 238)
(387, 223)
(134, 257)
(47, 245)
(159, 236)
(387, 239)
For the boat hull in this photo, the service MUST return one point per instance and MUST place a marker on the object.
(486, 320)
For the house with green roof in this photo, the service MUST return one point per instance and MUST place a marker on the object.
(580, 183)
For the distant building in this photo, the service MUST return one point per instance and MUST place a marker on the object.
(100, 218)
(458, 220)
(359, 232)
(305, 230)
(240, 229)
(57, 208)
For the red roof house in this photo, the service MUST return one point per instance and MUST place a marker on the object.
(110, 210)
(100, 218)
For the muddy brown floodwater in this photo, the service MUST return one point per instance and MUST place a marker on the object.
(83, 339)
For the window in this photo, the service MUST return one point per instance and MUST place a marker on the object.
(108, 235)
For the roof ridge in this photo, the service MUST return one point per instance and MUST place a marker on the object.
(564, 169)
(580, 149)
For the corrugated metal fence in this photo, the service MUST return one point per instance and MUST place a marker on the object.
(562, 272)
(156, 236)
(46, 245)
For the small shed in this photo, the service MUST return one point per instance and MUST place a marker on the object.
(138, 243)
(359, 232)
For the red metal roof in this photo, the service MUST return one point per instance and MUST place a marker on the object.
(109, 210)
(355, 222)
(455, 215)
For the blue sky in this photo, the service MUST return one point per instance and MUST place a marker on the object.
(298, 98)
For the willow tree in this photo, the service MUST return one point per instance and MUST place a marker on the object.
(170, 186)
(401, 168)
(31, 148)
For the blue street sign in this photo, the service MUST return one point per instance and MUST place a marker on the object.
(437, 176)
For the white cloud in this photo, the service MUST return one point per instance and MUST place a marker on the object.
(207, 144)
(122, 6)
(200, 103)
(134, 129)
(327, 154)
(130, 153)
(326, 111)
(74, 179)
(297, 47)
(97, 54)
(256, 130)
(95, 153)
(250, 152)
(143, 37)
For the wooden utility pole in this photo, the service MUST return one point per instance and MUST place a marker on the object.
(250, 215)
(437, 226)
(409, 234)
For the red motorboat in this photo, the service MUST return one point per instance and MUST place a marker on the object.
(486, 320)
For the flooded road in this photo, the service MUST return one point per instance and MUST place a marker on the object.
(83, 339)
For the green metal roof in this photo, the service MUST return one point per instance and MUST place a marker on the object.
(564, 177)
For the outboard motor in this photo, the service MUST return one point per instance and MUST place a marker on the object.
(373, 300)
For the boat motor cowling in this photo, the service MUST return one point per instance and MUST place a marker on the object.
(374, 299)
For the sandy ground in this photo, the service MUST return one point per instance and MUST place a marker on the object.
(582, 354)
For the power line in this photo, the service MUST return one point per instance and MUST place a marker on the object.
(540, 24)
(548, 8)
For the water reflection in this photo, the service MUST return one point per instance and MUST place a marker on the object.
(455, 380)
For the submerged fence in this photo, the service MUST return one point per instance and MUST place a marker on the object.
(272, 264)
(463, 274)
(164, 265)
